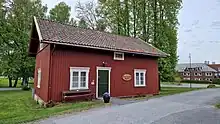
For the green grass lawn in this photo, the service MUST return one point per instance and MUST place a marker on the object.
(18, 107)
(168, 83)
(4, 83)
(174, 90)
(165, 91)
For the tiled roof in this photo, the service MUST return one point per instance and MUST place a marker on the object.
(53, 32)
(204, 67)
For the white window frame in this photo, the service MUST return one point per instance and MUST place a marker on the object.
(195, 74)
(198, 79)
(39, 76)
(208, 74)
(186, 74)
(115, 58)
(186, 78)
(139, 71)
(79, 70)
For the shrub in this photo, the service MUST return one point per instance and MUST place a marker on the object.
(26, 87)
(196, 81)
(211, 86)
(216, 81)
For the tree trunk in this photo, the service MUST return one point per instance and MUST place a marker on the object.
(118, 16)
(16, 82)
(148, 21)
(25, 81)
(134, 17)
(144, 21)
(10, 81)
(127, 18)
(155, 22)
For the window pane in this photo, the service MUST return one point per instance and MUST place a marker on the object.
(75, 79)
(137, 78)
(83, 79)
(142, 78)
(118, 55)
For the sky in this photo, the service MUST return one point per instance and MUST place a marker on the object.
(198, 33)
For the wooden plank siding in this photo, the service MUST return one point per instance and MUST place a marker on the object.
(42, 62)
(65, 57)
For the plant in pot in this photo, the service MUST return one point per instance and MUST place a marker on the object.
(106, 97)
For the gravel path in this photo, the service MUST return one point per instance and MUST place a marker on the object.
(187, 108)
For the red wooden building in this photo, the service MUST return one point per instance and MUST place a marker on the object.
(75, 59)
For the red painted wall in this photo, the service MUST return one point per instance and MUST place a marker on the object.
(43, 62)
(65, 57)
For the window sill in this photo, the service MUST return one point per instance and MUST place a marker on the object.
(79, 89)
(38, 87)
(140, 86)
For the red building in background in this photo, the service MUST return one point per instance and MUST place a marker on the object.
(75, 59)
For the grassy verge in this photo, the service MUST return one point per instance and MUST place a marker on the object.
(169, 83)
(165, 91)
(175, 90)
(18, 107)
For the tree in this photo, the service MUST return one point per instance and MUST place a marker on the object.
(82, 24)
(60, 13)
(15, 36)
(154, 21)
(89, 14)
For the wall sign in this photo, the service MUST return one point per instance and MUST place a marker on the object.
(126, 77)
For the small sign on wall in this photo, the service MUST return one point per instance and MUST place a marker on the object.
(126, 77)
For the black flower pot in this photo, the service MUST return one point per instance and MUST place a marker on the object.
(106, 97)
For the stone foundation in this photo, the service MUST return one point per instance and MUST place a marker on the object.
(39, 100)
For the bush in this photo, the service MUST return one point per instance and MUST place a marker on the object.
(211, 86)
(216, 81)
(196, 81)
(26, 87)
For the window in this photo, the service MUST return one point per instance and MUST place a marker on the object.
(186, 74)
(198, 79)
(208, 74)
(38, 77)
(79, 77)
(208, 79)
(118, 56)
(139, 77)
(186, 78)
(196, 74)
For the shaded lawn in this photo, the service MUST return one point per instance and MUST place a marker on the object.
(175, 90)
(165, 91)
(4, 83)
(18, 107)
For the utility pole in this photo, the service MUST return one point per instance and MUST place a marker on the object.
(190, 70)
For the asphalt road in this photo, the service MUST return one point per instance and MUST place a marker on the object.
(188, 108)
